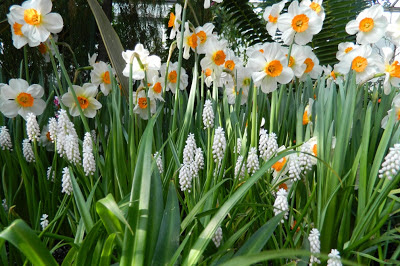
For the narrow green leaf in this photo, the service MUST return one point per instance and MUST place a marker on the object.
(111, 42)
(258, 240)
(168, 240)
(84, 211)
(22, 237)
(107, 250)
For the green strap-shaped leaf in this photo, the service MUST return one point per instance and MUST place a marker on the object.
(107, 250)
(111, 42)
(258, 240)
(22, 237)
(168, 240)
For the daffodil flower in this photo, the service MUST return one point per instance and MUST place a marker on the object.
(172, 77)
(270, 67)
(313, 69)
(141, 104)
(315, 5)
(392, 70)
(86, 98)
(344, 48)
(147, 62)
(174, 19)
(190, 41)
(393, 31)
(19, 39)
(204, 34)
(18, 98)
(100, 75)
(271, 14)
(214, 58)
(370, 25)
(296, 59)
(36, 19)
(395, 108)
(299, 24)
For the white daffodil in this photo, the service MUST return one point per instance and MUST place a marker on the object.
(307, 115)
(258, 47)
(18, 98)
(19, 39)
(215, 57)
(344, 48)
(299, 24)
(270, 67)
(393, 31)
(208, 2)
(172, 77)
(279, 167)
(149, 62)
(155, 88)
(370, 25)
(296, 61)
(243, 82)
(92, 59)
(312, 65)
(190, 41)
(174, 21)
(100, 75)
(315, 5)
(395, 108)
(86, 98)
(271, 15)
(204, 34)
(392, 70)
(363, 61)
(36, 19)
(331, 74)
(141, 103)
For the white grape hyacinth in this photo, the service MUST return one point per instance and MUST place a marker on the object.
(5, 139)
(219, 145)
(294, 167)
(198, 160)
(189, 150)
(53, 176)
(208, 115)
(315, 245)
(185, 177)
(217, 238)
(334, 258)
(281, 204)
(53, 129)
(240, 168)
(268, 145)
(66, 182)
(252, 161)
(89, 164)
(72, 149)
(28, 151)
(32, 127)
(44, 222)
(391, 166)
(4, 204)
(238, 147)
(159, 162)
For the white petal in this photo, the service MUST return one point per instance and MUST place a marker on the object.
(6, 92)
(352, 27)
(35, 90)
(10, 108)
(53, 22)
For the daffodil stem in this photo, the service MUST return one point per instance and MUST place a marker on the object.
(64, 70)
(254, 119)
(131, 119)
(26, 64)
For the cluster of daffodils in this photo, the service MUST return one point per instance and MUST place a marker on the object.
(193, 162)
(362, 57)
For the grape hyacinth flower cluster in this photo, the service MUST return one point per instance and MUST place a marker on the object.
(89, 164)
(219, 146)
(268, 145)
(28, 151)
(217, 238)
(44, 222)
(67, 138)
(193, 162)
(391, 166)
(5, 139)
(208, 115)
(53, 176)
(159, 162)
(281, 204)
(240, 168)
(252, 161)
(32, 127)
(315, 245)
(66, 182)
(334, 258)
